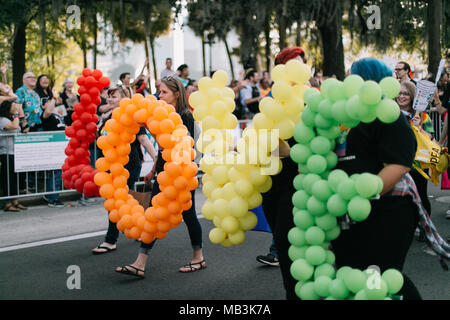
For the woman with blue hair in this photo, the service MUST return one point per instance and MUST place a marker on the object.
(387, 150)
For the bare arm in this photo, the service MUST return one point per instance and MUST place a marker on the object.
(391, 174)
(49, 108)
(105, 108)
(145, 142)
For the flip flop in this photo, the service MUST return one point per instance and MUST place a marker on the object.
(103, 248)
(125, 270)
(21, 207)
(192, 269)
(11, 208)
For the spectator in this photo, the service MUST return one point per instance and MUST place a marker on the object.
(264, 87)
(141, 87)
(403, 72)
(69, 99)
(134, 165)
(125, 78)
(183, 74)
(250, 95)
(266, 76)
(52, 122)
(31, 103)
(167, 72)
(6, 93)
(43, 88)
(9, 124)
(237, 86)
(3, 70)
(192, 87)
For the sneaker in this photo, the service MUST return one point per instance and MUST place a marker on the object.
(56, 204)
(428, 250)
(269, 259)
(447, 215)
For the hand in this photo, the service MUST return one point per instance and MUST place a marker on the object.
(148, 178)
(416, 121)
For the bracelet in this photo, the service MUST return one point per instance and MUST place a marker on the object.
(16, 116)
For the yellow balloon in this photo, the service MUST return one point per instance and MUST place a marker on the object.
(230, 104)
(264, 102)
(274, 111)
(218, 109)
(213, 95)
(200, 112)
(237, 238)
(217, 194)
(197, 99)
(267, 141)
(244, 188)
(207, 164)
(238, 207)
(220, 79)
(299, 90)
(230, 224)
(205, 84)
(221, 208)
(278, 73)
(209, 187)
(256, 178)
(217, 221)
(297, 71)
(266, 186)
(227, 92)
(248, 222)
(261, 121)
(220, 175)
(217, 235)
(282, 90)
(229, 122)
(209, 122)
(255, 200)
(227, 243)
(228, 191)
(294, 106)
(286, 129)
(208, 210)
(234, 175)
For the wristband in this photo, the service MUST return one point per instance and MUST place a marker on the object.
(16, 116)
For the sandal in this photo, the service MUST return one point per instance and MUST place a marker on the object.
(202, 265)
(11, 208)
(125, 270)
(21, 207)
(105, 250)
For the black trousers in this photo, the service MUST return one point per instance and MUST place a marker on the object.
(422, 188)
(383, 240)
(277, 206)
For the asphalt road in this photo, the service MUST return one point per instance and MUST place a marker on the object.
(38, 253)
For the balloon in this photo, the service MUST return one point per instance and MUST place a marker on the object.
(387, 111)
(394, 280)
(301, 270)
(370, 93)
(359, 208)
(390, 87)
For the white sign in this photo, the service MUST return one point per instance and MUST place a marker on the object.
(39, 151)
(424, 93)
(440, 69)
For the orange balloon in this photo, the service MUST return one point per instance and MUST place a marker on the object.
(126, 120)
(120, 182)
(114, 216)
(190, 170)
(137, 99)
(124, 210)
(175, 220)
(109, 205)
(123, 149)
(166, 141)
(131, 109)
(160, 113)
(192, 183)
(126, 137)
(161, 235)
(112, 125)
(127, 221)
(141, 116)
(154, 126)
(173, 169)
(163, 226)
(107, 191)
(126, 173)
(121, 194)
(167, 155)
(170, 192)
(120, 226)
(186, 206)
(132, 202)
(167, 126)
(162, 213)
(181, 183)
(151, 108)
(144, 104)
(116, 114)
(111, 155)
(113, 139)
(176, 118)
(102, 143)
(141, 222)
(124, 102)
(174, 207)
(136, 216)
(160, 200)
(117, 169)
(138, 209)
(164, 179)
(102, 178)
(123, 160)
(183, 197)
(147, 237)
(135, 232)
(150, 227)
(119, 203)
(150, 215)
(193, 154)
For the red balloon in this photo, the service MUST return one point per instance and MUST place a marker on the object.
(72, 161)
(79, 185)
(79, 153)
(86, 177)
(87, 72)
(70, 132)
(95, 118)
(94, 92)
(69, 151)
(67, 184)
(77, 125)
(65, 167)
(97, 101)
(75, 116)
(86, 160)
(84, 145)
(105, 82)
(78, 108)
(74, 143)
(91, 127)
(92, 108)
(81, 134)
(86, 117)
(81, 81)
(85, 99)
(82, 90)
(97, 74)
(91, 82)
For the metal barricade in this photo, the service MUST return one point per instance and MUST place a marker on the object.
(438, 123)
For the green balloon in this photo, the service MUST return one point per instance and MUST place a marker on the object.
(316, 207)
(359, 208)
(313, 102)
(303, 220)
(300, 153)
(391, 87)
(321, 286)
(394, 280)
(378, 291)
(306, 292)
(309, 117)
(388, 111)
(338, 111)
(303, 134)
(355, 280)
(326, 85)
(296, 253)
(315, 255)
(355, 108)
(295, 211)
(361, 295)
(303, 169)
(333, 234)
(351, 124)
(336, 177)
(380, 184)
(296, 237)
(325, 270)
(315, 236)
(324, 108)
(326, 222)
(366, 185)
(342, 272)
(310, 92)
(346, 189)
(338, 290)
(309, 181)
(320, 145)
(331, 133)
(321, 190)
(317, 164)
(370, 116)
(370, 93)
(322, 122)
(331, 258)
(332, 160)
(336, 91)
(300, 199)
(337, 206)
(352, 84)
(298, 181)
(301, 270)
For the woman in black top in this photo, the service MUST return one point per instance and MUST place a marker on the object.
(173, 92)
(69, 99)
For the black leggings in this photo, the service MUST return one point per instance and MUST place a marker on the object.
(189, 217)
(277, 206)
(422, 186)
(382, 240)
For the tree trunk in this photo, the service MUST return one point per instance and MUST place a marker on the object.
(94, 31)
(203, 55)
(230, 60)
(434, 21)
(18, 54)
(333, 49)
(268, 44)
(147, 56)
(281, 21)
(298, 35)
(152, 48)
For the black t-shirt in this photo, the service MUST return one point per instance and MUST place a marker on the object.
(188, 121)
(53, 123)
(136, 156)
(69, 103)
(369, 146)
(253, 107)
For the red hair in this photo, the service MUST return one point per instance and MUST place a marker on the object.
(288, 54)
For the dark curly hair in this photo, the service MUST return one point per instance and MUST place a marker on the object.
(5, 109)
